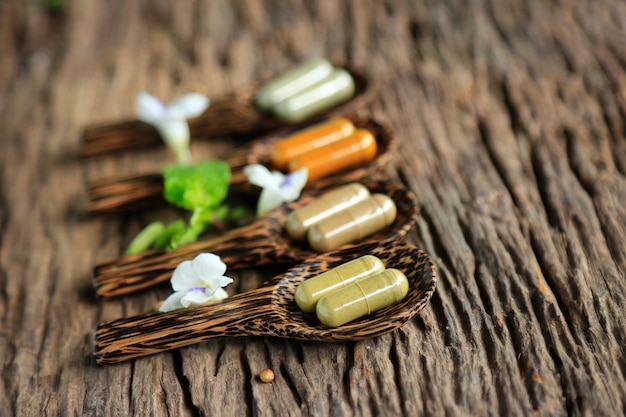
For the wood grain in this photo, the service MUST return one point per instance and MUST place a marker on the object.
(511, 124)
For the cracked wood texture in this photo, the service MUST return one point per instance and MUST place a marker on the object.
(511, 122)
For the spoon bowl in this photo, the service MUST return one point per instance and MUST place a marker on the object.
(271, 310)
(262, 242)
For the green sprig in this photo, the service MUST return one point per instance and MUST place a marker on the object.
(199, 188)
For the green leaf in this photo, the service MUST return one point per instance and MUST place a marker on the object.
(201, 185)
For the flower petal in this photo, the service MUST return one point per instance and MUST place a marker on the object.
(261, 176)
(208, 266)
(277, 188)
(197, 281)
(217, 282)
(175, 134)
(149, 108)
(188, 105)
(293, 184)
(269, 199)
(184, 277)
(172, 302)
(195, 296)
(220, 294)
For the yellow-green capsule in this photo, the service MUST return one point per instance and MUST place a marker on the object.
(292, 82)
(362, 297)
(311, 290)
(352, 224)
(300, 220)
(331, 91)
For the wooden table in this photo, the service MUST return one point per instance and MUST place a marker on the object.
(511, 122)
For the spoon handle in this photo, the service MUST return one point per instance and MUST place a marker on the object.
(246, 314)
(231, 115)
(255, 244)
(125, 194)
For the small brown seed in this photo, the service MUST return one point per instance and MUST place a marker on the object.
(266, 375)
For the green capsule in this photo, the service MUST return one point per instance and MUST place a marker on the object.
(362, 297)
(311, 290)
(333, 90)
(292, 82)
(353, 224)
(301, 220)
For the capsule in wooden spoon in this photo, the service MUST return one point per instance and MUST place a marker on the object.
(259, 243)
(358, 148)
(305, 140)
(352, 224)
(300, 220)
(309, 292)
(362, 297)
(335, 89)
(292, 82)
(269, 310)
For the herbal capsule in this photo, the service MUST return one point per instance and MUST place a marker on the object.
(335, 89)
(292, 82)
(308, 139)
(310, 291)
(353, 223)
(362, 297)
(300, 220)
(358, 148)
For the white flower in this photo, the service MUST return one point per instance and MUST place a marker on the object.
(199, 281)
(278, 188)
(170, 120)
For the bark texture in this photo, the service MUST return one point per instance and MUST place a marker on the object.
(511, 124)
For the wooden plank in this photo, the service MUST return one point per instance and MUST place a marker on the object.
(511, 119)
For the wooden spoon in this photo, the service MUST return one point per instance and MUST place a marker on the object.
(271, 310)
(235, 114)
(262, 242)
(125, 194)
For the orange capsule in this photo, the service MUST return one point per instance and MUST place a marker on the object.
(358, 148)
(313, 137)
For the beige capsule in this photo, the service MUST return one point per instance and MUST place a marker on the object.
(362, 297)
(330, 203)
(352, 224)
(310, 291)
(293, 82)
(335, 89)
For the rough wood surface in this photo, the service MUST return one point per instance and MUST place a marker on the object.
(511, 120)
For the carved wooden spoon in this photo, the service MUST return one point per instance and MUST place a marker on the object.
(271, 310)
(262, 242)
(235, 114)
(125, 194)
